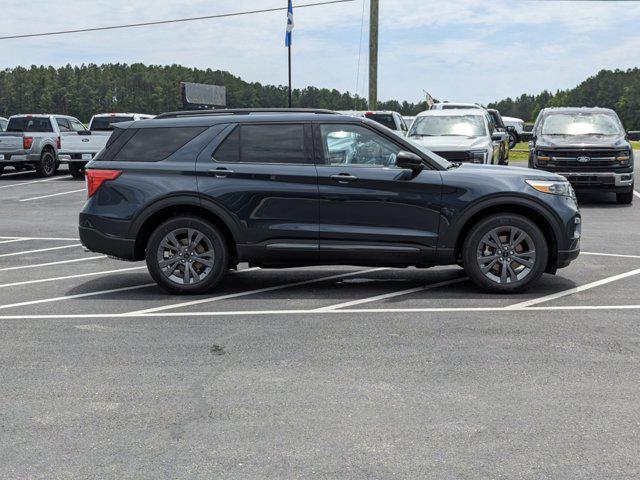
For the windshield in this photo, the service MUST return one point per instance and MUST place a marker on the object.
(106, 123)
(29, 124)
(581, 124)
(455, 125)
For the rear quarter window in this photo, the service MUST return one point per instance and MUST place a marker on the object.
(148, 144)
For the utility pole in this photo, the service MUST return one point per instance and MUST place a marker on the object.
(373, 55)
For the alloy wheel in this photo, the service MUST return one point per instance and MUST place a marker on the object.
(506, 255)
(186, 256)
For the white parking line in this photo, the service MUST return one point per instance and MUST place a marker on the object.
(79, 295)
(44, 238)
(73, 260)
(609, 255)
(13, 240)
(252, 292)
(69, 277)
(315, 312)
(385, 296)
(52, 195)
(26, 252)
(636, 194)
(29, 182)
(571, 291)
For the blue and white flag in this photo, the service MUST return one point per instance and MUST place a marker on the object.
(287, 38)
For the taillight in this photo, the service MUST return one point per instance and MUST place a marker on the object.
(27, 142)
(95, 178)
(59, 143)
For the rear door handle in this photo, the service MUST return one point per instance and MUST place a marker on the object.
(344, 178)
(220, 172)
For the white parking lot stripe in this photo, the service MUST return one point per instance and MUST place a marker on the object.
(252, 292)
(69, 277)
(45, 238)
(26, 252)
(79, 295)
(52, 195)
(384, 296)
(29, 182)
(636, 194)
(609, 255)
(316, 312)
(571, 291)
(73, 260)
(13, 240)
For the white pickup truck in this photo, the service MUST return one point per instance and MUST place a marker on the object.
(77, 150)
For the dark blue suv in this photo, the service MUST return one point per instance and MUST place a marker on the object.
(195, 193)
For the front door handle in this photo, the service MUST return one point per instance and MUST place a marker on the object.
(344, 178)
(220, 172)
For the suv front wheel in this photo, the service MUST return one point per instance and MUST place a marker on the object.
(504, 253)
(187, 255)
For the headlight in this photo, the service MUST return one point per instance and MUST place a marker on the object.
(554, 188)
(478, 156)
(624, 157)
(542, 156)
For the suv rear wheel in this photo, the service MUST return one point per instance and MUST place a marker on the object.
(504, 253)
(76, 170)
(187, 255)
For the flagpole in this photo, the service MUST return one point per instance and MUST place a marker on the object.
(289, 48)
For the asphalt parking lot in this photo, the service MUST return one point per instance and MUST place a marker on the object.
(343, 372)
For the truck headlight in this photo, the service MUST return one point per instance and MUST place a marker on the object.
(542, 156)
(624, 157)
(554, 188)
(478, 156)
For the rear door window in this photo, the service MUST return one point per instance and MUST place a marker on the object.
(29, 124)
(273, 143)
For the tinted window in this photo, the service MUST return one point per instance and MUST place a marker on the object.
(155, 144)
(63, 124)
(385, 119)
(106, 123)
(356, 146)
(229, 149)
(276, 143)
(29, 124)
(118, 138)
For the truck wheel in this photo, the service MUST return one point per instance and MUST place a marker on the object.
(504, 253)
(76, 171)
(625, 198)
(47, 165)
(513, 140)
(187, 255)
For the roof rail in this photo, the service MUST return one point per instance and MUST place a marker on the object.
(241, 111)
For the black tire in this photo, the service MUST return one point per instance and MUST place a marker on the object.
(1, 169)
(212, 246)
(513, 140)
(532, 249)
(76, 170)
(47, 165)
(625, 198)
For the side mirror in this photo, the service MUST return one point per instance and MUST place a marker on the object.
(410, 161)
(496, 137)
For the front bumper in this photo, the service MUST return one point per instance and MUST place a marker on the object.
(606, 180)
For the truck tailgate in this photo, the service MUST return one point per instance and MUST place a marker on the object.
(72, 142)
(10, 142)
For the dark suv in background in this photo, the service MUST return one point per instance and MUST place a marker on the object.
(588, 146)
(195, 193)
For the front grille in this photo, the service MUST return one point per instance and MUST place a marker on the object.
(460, 156)
(592, 160)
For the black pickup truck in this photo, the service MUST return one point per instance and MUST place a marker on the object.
(588, 146)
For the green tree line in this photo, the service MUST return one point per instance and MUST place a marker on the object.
(617, 89)
(84, 90)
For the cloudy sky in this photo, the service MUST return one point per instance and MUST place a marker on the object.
(458, 50)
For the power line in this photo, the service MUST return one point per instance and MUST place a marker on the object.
(176, 20)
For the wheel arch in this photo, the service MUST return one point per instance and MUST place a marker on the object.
(162, 210)
(542, 217)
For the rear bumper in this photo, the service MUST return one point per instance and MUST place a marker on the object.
(95, 241)
(75, 158)
(10, 158)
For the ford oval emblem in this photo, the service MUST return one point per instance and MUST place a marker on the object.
(584, 159)
(86, 140)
